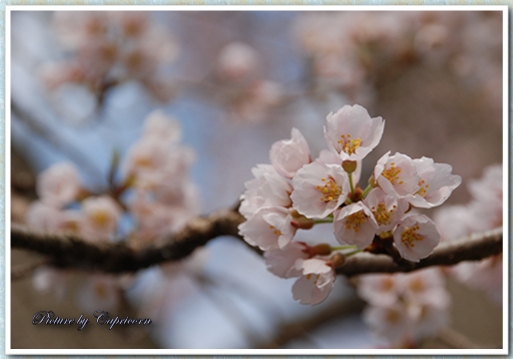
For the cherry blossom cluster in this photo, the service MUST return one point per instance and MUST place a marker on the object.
(483, 212)
(404, 309)
(154, 193)
(296, 192)
(247, 96)
(349, 51)
(108, 48)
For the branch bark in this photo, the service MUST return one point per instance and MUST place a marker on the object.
(71, 251)
(472, 248)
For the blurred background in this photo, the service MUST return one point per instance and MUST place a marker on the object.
(83, 84)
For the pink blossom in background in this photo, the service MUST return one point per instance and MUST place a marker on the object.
(100, 218)
(483, 212)
(58, 185)
(99, 292)
(237, 61)
(403, 308)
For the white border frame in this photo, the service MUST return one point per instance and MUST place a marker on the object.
(7, 214)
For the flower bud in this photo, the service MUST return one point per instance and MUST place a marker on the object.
(322, 249)
(349, 166)
(338, 260)
(300, 221)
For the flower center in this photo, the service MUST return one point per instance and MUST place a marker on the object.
(330, 191)
(423, 188)
(381, 213)
(349, 145)
(354, 221)
(410, 236)
(387, 284)
(391, 173)
(276, 231)
(417, 285)
(100, 218)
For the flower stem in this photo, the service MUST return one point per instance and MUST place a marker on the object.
(367, 190)
(353, 252)
(339, 248)
(350, 175)
(324, 220)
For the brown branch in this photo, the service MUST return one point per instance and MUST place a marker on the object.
(71, 251)
(475, 247)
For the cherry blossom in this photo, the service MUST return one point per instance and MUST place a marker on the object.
(316, 282)
(387, 210)
(397, 175)
(319, 189)
(110, 48)
(58, 185)
(162, 127)
(288, 156)
(298, 192)
(99, 291)
(268, 189)
(237, 61)
(483, 212)
(48, 279)
(405, 308)
(268, 228)
(352, 133)
(44, 217)
(100, 218)
(416, 237)
(282, 261)
(436, 183)
(355, 224)
(379, 289)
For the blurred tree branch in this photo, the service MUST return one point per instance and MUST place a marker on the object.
(68, 250)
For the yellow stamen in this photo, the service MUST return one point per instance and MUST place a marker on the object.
(392, 173)
(330, 191)
(410, 236)
(100, 218)
(355, 221)
(383, 215)
(349, 145)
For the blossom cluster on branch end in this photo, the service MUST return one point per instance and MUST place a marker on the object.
(296, 192)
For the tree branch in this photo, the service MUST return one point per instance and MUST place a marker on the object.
(474, 247)
(69, 250)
